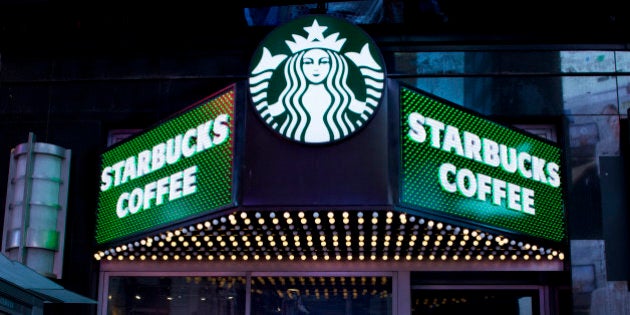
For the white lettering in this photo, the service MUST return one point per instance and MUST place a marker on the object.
(513, 196)
(204, 141)
(106, 178)
(221, 129)
(149, 194)
(528, 201)
(538, 170)
(444, 171)
(158, 158)
(524, 164)
(469, 145)
(173, 149)
(452, 141)
(416, 131)
(498, 193)
(188, 148)
(190, 180)
(472, 146)
(484, 181)
(162, 189)
(204, 136)
(118, 172)
(144, 166)
(508, 158)
(129, 172)
(121, 205)
(552, 172)
(491, 152)
(466, 182)
(469, 184)
(135, 200)
(436, 129)
(177, 185)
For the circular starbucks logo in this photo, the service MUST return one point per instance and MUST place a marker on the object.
(317, 79)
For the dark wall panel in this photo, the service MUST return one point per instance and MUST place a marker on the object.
(351, 172)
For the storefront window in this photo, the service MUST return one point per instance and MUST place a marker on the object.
(358, 12)
(503, 96)
(226, 295)
(314, 295)
(176, 295)
(488, 302)
(622, 61)
(623, 90)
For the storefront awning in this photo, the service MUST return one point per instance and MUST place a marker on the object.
(335, 235)
(31, 281)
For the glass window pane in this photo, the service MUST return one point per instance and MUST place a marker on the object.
(476, 62)
(303, 295)
(623, 92)
(357, 12)
(176, 295)
(587, 61)
(510, 62)
(588, 95)
(489, 302)
(623, 61)
(591, 136)
(507, 96)
(429, 62)
(451, 89)
(513, 62)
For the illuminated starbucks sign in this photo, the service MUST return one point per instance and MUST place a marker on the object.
(175, 171)
(317, 79)
(457, 163)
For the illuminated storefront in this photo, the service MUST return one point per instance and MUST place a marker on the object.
(371, 196)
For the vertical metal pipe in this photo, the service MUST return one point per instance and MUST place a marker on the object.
(27, 197)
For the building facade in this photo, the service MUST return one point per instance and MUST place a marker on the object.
(294, 226)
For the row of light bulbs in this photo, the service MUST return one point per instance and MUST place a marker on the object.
(272, 236)
(325, 294)
(319, 287)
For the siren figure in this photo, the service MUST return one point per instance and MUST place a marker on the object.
(317, 105)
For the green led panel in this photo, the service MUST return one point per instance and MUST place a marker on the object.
(177, 170)
(460, 164)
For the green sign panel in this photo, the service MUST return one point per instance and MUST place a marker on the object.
(175, 171)
(462, 165)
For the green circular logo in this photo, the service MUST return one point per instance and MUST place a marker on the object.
(317, 79)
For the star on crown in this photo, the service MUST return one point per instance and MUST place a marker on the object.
(315, 39)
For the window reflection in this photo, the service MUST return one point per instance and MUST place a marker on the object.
(507, 96)
(622, 59)
(358, 12)
(429, 62)
(588, 95)
(319, 295)
(489, 302)
(623, 83)
(588, 61)
(591, 104)
(451, 89)
(176, 295)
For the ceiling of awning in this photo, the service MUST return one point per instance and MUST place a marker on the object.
(31, 281)
(327, 235)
